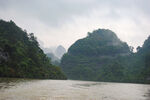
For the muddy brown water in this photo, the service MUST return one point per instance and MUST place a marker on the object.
(28, 89)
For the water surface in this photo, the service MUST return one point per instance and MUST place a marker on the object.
(24, 89)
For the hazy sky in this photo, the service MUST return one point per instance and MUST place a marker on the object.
(62, 22)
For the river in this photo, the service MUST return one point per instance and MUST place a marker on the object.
(28, 89)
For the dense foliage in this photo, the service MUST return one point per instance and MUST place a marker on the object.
(21, 56)
(101, 56)
(144, 55)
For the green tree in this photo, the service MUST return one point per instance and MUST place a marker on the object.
(21, 56)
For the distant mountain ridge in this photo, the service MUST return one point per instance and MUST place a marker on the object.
(55, 53)
(60, 51)
(55, 60)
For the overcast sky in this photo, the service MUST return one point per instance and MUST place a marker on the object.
(62, 22)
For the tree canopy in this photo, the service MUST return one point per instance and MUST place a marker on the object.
(102, 56)
(21, 56)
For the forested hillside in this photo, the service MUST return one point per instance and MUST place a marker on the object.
(21, 56)
(144, 55)
(102, 56)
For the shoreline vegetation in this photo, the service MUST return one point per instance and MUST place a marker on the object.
(100, 57)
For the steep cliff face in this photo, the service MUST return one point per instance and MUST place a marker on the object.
(87, 58)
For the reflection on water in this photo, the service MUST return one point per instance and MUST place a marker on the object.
(24, 89)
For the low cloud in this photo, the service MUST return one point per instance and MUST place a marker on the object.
(62, 22)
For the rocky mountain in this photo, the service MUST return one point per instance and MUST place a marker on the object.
(60, 51)
(94, 56)
(102, 56)
(55, 53)
(55, 60)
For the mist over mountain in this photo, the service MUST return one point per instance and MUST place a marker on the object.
(52, 57)
(55, 60)
(60, 51)
(57, 51)
(100, 56)
(54, 53)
